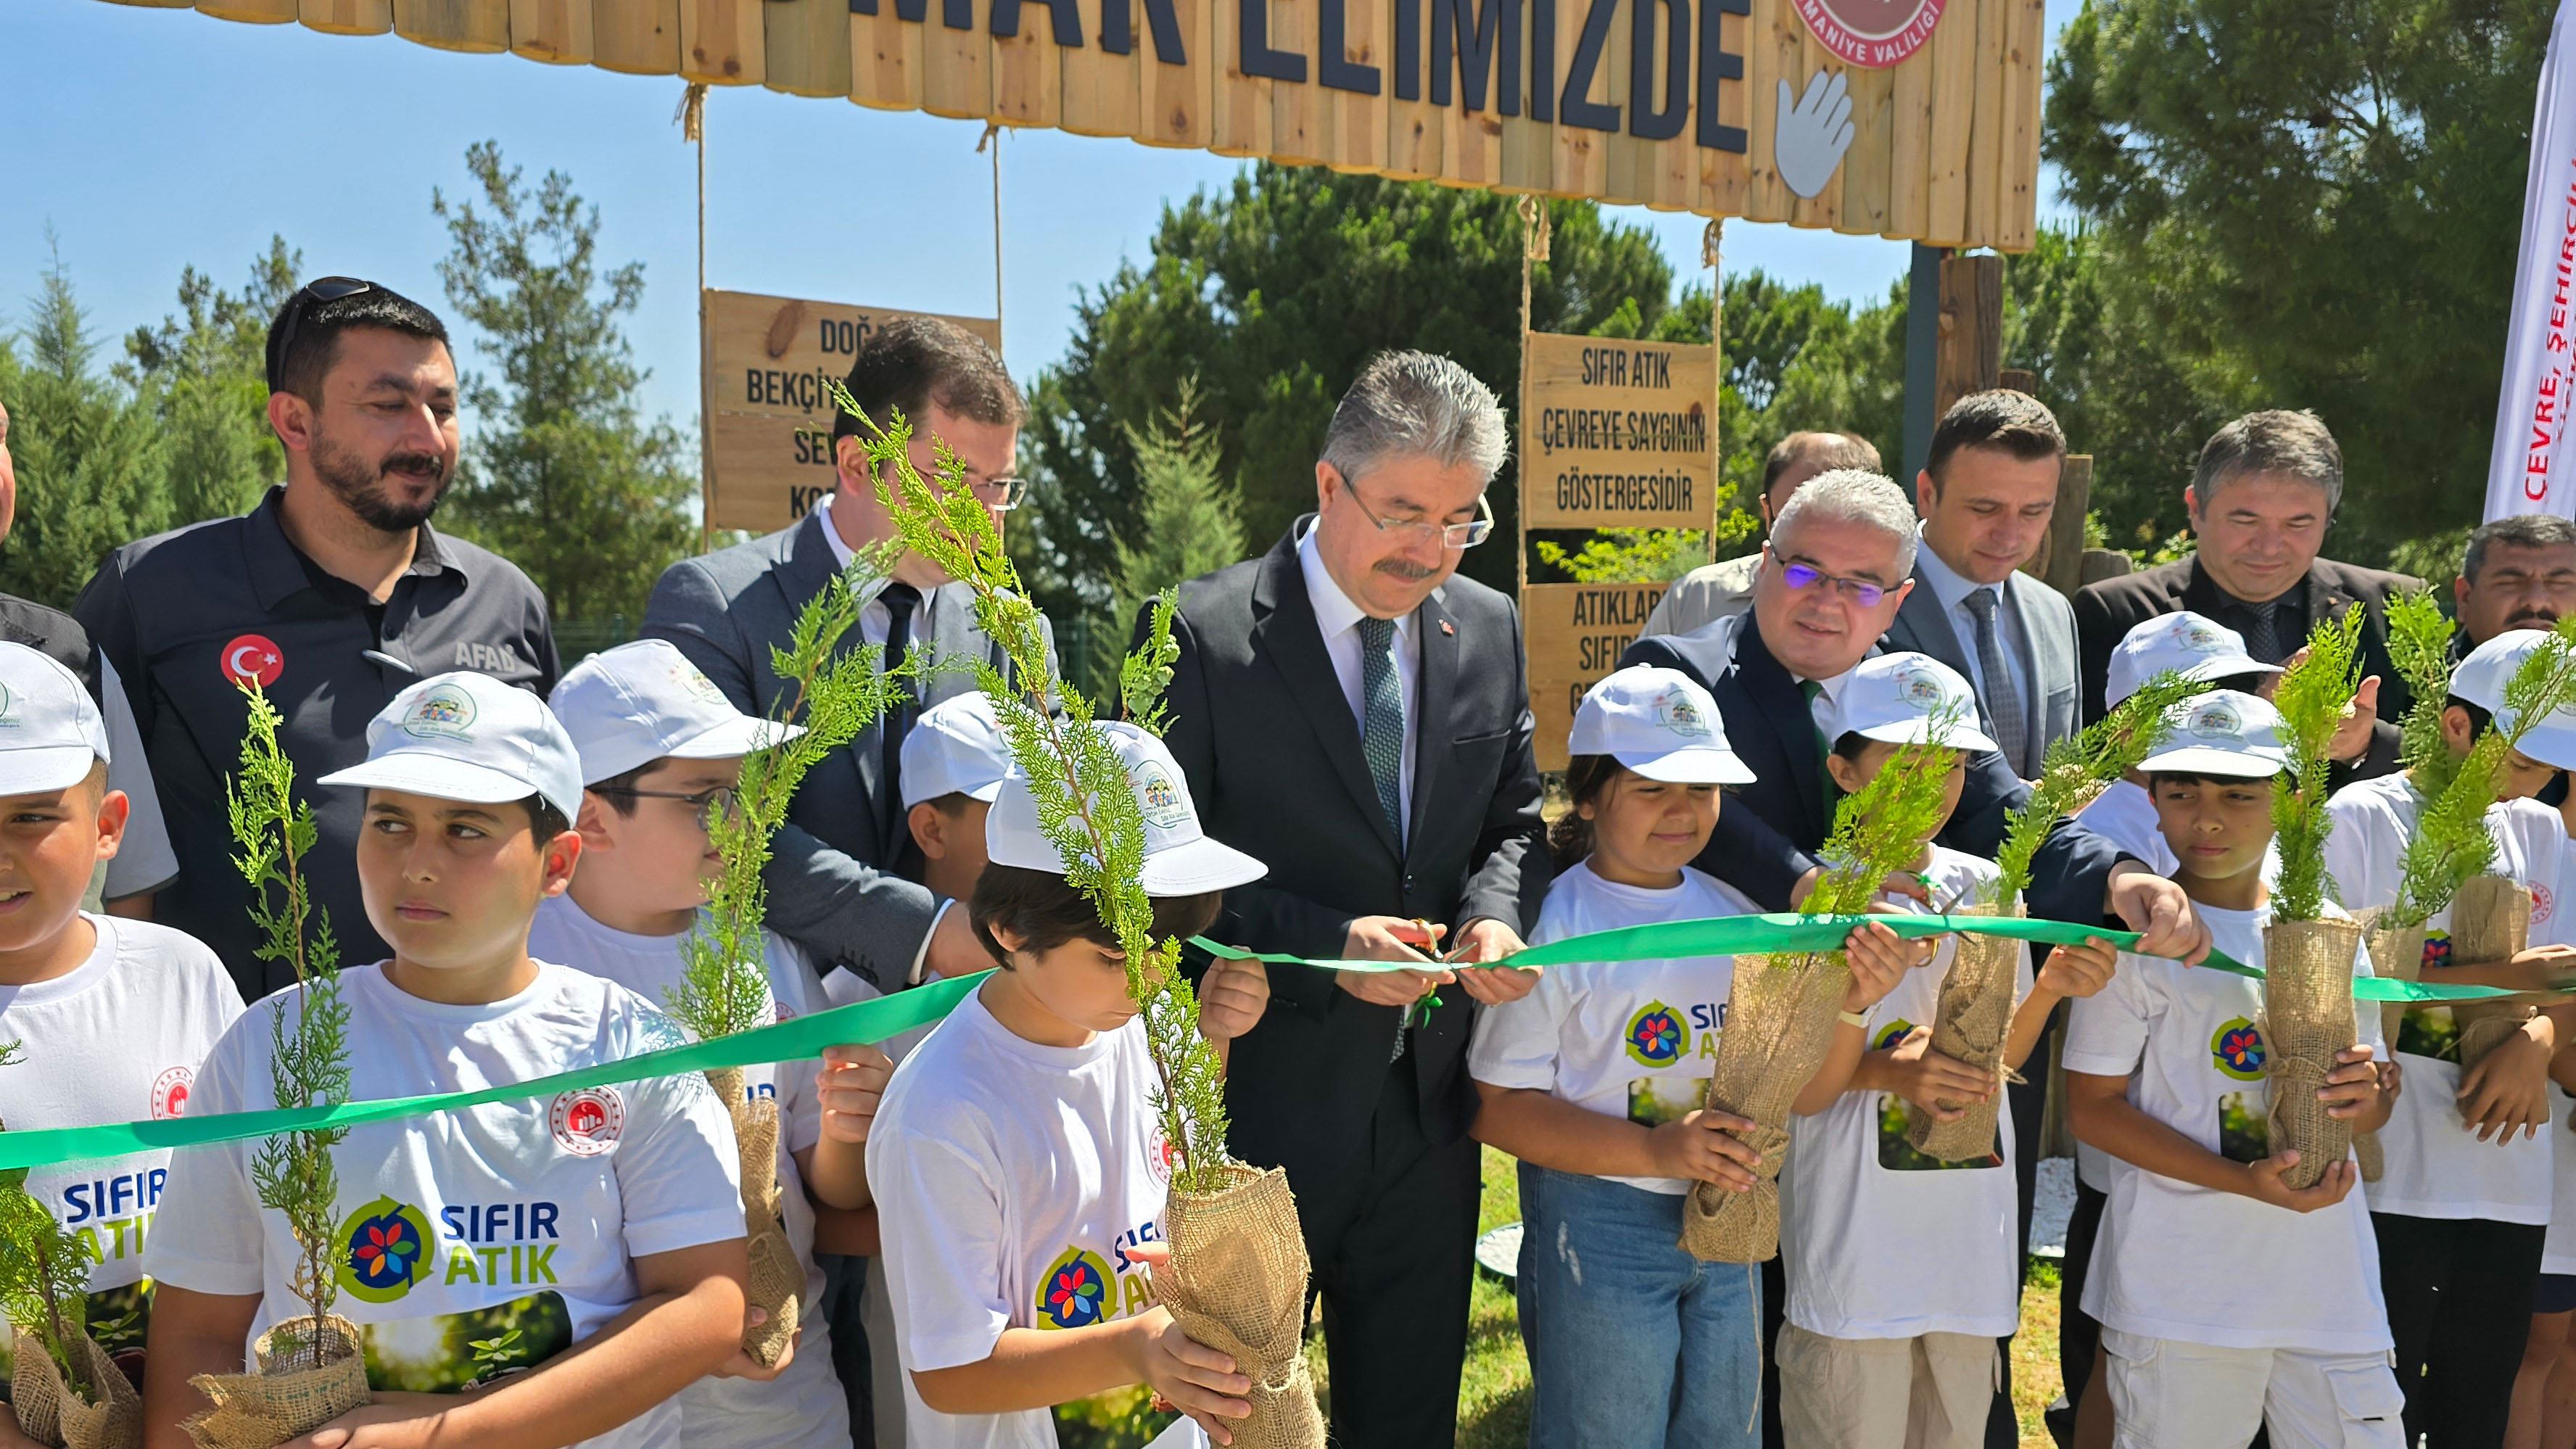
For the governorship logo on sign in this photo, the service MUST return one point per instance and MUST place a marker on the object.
(1876, 34)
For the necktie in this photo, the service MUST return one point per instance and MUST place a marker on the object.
(2262, 630)
(900, 599)
(1382, 718)
(2003, 699)
(1831, 792)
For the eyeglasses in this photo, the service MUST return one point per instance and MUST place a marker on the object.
(999, 494)
(1859, 591)
(1452, 536)
(323, 289)
(707, 803)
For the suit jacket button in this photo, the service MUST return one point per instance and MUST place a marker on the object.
(1408, 887)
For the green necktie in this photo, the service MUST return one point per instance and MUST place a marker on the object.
(1833, 793)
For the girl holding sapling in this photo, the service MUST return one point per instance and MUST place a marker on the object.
(2228, 1301)
(109, 1019)
(1594, 1081)
(1886, 1344)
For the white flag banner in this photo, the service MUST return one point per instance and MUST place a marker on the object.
(2533, 469)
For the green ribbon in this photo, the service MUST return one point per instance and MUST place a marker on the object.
(1774, 934)
(803, 1037)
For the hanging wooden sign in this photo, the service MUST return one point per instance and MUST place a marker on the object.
(1617, 434)
(1575, 634)
(770, 366)
(1914, 119)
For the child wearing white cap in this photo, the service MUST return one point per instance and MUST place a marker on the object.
(2229, 1302)
(2201, 650)
(660, 749)
(2464, 1202)
(110, 1017)
(1593, 1080)
(954, 758)
(604, 1225)
(1886, 1344)
(1017, 1160)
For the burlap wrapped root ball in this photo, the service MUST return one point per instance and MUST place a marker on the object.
(1237, 1283)
(1974, 1017)
(2396, 954)
(2307, 1022)
(108, 1416)
(1779, 1024)
(309, 1374)
(776, 1282)
(2490, 921)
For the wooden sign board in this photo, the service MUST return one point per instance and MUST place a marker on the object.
(1914, 119)
(1575, 634)
(770, 366)
(1618, 434)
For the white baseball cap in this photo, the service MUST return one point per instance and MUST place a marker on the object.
(468, 737)
(1893, 697)
(2194, 646)
(955, 748)
(2481, 679)
(1179, 859)
(645, 701)
(1659, 723)
(2226, 733)
(51, 735)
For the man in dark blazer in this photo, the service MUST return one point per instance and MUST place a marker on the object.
(1356, 716)
(843, 878)
(2266, 488)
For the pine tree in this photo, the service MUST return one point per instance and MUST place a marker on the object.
(1187, 522)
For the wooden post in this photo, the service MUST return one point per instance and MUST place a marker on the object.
(2060, 560)
(2018, 380)
(1972, 329)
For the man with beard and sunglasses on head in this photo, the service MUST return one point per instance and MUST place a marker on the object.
(333, 595)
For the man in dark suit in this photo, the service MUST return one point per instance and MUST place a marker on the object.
(1355, 716)
(2265, 489)
(842, 882)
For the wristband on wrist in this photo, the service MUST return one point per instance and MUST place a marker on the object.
(1853, 1019)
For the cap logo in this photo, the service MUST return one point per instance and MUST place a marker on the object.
(693, 680)
(1918, 688)
(1675, 712)
(2201, 639)
(9, 719)
(1166, 808)
(252, 659)
(443, 713)
(2216, 720)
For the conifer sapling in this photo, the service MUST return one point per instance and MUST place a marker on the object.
(2313, 694)
(2077, 769)
(2451, 842)
(44, 1268)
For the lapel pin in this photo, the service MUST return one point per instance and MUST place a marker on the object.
(1448, 628)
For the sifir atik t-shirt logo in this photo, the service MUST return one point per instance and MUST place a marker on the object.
(1076, 1291)
(2236, 1049)
(382, 1248)
(586, 1123)
(170, 1092)
(1655, 1036)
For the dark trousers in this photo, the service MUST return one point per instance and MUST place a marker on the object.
(1392, 1238)
(2459, 1305)
(844, 1307)
(2079, 1335)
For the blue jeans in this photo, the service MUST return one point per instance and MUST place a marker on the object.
(1633, 1343)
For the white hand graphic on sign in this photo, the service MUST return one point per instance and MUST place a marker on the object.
(1812, 132)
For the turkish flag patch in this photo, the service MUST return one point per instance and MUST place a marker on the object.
(252, 659)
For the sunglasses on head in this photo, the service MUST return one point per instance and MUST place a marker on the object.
(319, 291)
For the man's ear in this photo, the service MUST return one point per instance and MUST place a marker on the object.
(593, 826)
(1926, 492)
(2191, 503)
(850, 459)
(929, 829)
(292, 418)
(2460, 590)
(1328, 480)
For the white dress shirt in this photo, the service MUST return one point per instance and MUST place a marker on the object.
(1953, 590)
(1339, 620)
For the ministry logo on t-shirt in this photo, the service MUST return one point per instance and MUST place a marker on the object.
(2542, 903)
(1655, 1035)
(2236, 1049)
(170, 1092)
(586, 1122)
(1159, 1155)
(1076, 1291)
(382, 1247)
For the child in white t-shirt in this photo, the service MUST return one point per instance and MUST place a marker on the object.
(1593, 1081)
(2464, 1202)
(661, 748)
(602, 1226)
(1017, 1161)
(2229, 1302)
(1887, 1343)
(110, 1017)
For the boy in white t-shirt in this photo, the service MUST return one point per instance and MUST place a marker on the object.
(2464, 1202)
(661, 749)
(110, 1016)
(602, 1226)
(1887, 1344)
(2229, 1302)
(1016, 1157)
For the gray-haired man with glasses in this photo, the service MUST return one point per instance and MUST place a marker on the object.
(1355, 715)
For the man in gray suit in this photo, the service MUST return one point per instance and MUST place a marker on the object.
(1725, 588)
(1986, 494)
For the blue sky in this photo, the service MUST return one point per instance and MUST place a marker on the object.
(145, 140)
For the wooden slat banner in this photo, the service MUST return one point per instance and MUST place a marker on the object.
(770, 365)
(1615, 434)
(1914, 119)
(1575, 635)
